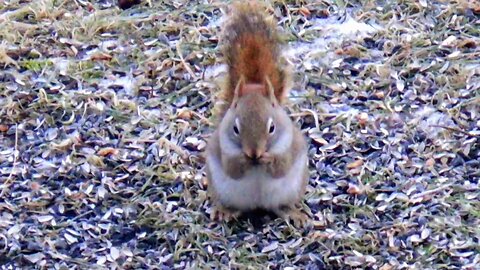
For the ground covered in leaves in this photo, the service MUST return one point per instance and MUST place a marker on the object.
(104, 114)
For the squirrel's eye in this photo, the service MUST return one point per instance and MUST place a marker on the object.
(272, 129)
(270, 126)
(236, 127)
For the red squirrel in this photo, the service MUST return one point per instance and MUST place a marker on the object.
(257, 157)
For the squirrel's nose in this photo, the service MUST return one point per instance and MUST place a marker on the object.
(253, 154)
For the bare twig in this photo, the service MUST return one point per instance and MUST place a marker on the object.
(452, 129)
(431, 191)
(184, 63)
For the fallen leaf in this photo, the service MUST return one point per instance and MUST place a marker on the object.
(354, 189)
(70, 238)
(318, 139)
(271, 247)
(184, 114)
(449, 42)
(35, 186)
(386, 267)
(107, 151)
(34, 258)
(430, 162)
(305, 12)
(43, 219)
(357, 163)
(101, 57)
(115, 253)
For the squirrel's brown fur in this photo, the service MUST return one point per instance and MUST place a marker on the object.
(251, 48)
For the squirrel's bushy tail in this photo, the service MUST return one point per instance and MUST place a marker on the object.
(251, 48)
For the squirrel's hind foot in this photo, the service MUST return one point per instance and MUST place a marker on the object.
(295, 215)
(221, 213)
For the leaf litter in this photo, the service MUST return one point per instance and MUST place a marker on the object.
(104, 116)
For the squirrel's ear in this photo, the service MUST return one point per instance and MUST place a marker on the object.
(271, 91)
(237, 91)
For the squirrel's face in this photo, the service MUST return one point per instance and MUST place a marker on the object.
(254, 124)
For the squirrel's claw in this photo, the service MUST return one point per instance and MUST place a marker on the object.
(221, 213)
(295, 215)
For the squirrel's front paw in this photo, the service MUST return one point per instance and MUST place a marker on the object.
(221, 213)
(266, 158)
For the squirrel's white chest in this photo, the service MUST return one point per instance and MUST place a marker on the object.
(257, 189)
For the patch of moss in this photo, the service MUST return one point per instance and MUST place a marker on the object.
(36, 65)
